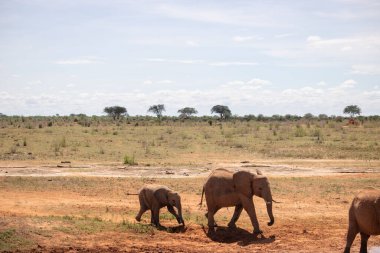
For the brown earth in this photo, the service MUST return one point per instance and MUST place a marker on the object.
(39, 211)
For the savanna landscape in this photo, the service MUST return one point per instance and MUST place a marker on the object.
(64, 181)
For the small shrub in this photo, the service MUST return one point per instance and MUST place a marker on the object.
(50, 124)
(130, 160)
(300, 132)
(24, 142)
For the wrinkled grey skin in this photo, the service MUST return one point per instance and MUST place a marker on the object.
(363, 218)
(154, 197)
(224, 188)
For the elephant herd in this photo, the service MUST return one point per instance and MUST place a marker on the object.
(224, 188)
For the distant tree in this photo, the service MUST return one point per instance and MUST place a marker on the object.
(2, 115)
(352, 110)
(260, 117)
(277, 117)
(308, 116)
(187, 112)
(157, 109)
(222, 110)
(323, 117)
(116, 112)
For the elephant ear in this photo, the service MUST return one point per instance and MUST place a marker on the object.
(161, 195)
(243, 183)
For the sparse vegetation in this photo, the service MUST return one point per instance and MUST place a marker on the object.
(175, 142)
(129, 160)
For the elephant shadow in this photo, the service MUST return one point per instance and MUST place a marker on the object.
(237, 235)
(173, 229)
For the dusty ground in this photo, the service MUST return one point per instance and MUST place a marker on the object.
(291, 167)
(63, 209)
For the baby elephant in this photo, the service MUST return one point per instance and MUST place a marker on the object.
(364, 218)
(154, 197)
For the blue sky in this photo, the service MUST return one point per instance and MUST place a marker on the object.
(268, 57)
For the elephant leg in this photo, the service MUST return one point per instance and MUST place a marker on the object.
(352, 231)
(172, 211)
(249, 207)
(236, 216)
(151, 216)
(140, 213)
(363, 244)
(156, 216)
(210, 216)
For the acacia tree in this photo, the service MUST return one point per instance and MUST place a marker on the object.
(222, 110)
(187, 112)
(157, 109)
(116, 112)
(352, 110)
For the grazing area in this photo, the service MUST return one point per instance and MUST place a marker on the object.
(64, 182)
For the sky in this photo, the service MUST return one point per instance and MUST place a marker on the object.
(256, 57)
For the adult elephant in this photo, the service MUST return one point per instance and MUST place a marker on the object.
(224, 188)
(363, 218)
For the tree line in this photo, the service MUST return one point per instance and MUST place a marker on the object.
(116, 112)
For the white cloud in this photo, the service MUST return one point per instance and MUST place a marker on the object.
(79, 61)
(258, 82)
(244, 97)
(322, 83)
(348, 84)
(165, 82)
(35, 82)
(210, 63)
(366, 69)
(232, 63)
(150, 82)
(215, 14)
(70, 85)
(283, 35)
(246, 38)
(191, 43)
(186, 61)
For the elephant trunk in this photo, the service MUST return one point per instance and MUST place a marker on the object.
(270, 213)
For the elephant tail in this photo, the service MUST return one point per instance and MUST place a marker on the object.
(132, 193)
(203, 191)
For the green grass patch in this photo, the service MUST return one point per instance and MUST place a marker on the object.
(10, 240)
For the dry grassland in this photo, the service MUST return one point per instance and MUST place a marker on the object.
(94, 214)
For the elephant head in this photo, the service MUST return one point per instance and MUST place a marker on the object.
(175, 200)
(250, 184)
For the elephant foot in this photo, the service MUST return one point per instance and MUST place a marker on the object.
(138, 218)
(257, 232)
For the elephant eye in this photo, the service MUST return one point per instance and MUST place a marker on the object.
(260, 188)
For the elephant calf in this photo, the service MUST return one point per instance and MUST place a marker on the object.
(154, 197)
(364, 218)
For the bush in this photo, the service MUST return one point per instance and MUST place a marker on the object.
(130, 160)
